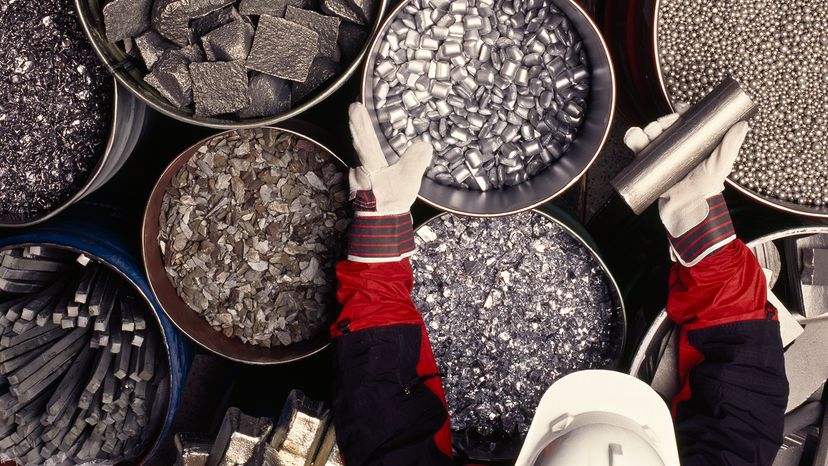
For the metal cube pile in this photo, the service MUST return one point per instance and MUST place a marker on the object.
(498, 87)
(239, 59)
(250, 229)
(81, 370)
(511, 305)
(777, 51)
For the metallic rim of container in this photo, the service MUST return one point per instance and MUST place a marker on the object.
(182, 316)
(120, 66)
(779, 204)
(429, 185)
(618, 300)
(149, 308)
(615, 290)
(662, 322)
(135, 111)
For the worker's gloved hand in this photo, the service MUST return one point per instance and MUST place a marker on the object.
(694, 211)
(382, 194)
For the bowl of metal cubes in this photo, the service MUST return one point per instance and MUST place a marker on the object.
(231, 63)
(516, 96)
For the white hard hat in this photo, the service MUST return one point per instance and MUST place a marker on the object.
(600, 418)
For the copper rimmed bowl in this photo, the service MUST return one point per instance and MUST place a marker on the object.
(552, 181)
(182, 316)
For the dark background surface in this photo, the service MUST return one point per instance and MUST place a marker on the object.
(633, 247)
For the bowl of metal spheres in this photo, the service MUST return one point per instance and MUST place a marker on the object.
(516, 97)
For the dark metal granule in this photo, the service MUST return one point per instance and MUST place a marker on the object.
(55, 105)
(511, 305)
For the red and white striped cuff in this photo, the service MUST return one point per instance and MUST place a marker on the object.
(713, 233)
(380, 237)
(365, 201)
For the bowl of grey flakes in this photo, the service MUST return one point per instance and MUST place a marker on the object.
(240, 238)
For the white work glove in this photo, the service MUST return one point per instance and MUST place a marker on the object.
(694, 211)
(382, 194)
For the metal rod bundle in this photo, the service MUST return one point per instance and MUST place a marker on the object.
(79, 369)
(683, 146)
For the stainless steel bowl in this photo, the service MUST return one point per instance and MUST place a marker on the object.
(130, 73)
(785, 206)
(181, 315)
(554, 180)
(125, 129)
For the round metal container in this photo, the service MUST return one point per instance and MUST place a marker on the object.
(92, 230)
(181, 315)
(127, 123)
(646, 357)
(635, 24)
(475, 449)
(130, 73)
(550, 182)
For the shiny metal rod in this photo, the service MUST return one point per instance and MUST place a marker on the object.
(683, 146)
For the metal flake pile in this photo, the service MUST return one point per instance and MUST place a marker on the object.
(250, 229)
(56, 108)
(511, 304)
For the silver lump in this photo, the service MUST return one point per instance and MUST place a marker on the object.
(777, 51)
(499, 88)
(250, 228)
(511, 304)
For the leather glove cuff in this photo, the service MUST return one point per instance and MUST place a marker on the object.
(377, 236)
(713, 233)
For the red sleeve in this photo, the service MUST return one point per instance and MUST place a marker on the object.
(731, 406)
(389, 406)
(374, 295)
(728, 286)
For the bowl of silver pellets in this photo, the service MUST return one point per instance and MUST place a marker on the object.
(65, 126)
(240, 238)
(511, 304)
(231, 63)
(84, 369)
(776, 51)
(516, 96)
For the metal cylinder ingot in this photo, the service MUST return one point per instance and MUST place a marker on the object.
(683, 146)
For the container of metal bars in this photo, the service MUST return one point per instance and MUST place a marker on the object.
(90, 369)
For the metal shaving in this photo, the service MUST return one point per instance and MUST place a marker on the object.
(250, 229)
(511, 305)
(56, 105)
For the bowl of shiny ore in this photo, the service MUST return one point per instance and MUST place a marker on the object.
(517, 98)
(240, 238)
(231, 63)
